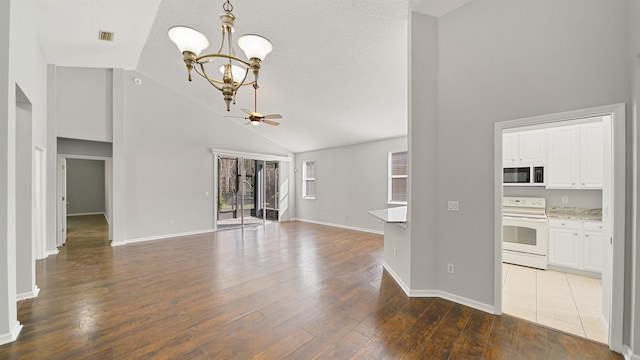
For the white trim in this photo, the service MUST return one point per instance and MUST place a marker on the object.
(305, 179)
(52, 252)
(468, 302)
(397, 278)
(617, 111)
(12, 335)
(628, 353)
(28, 295)
(89, 213)
(390, 176)
(249, 155)
(438, 293)
(162, 237)
(377, 232)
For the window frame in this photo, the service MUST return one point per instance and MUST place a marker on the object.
(305, 179)
(390, 177)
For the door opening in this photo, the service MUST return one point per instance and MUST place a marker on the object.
(604, 246)
(246, 191)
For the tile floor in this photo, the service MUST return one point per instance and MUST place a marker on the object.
(567, 302)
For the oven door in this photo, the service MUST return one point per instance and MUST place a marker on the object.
(526, 235)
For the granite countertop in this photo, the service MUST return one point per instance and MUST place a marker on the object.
(391, 215)
(574, 213)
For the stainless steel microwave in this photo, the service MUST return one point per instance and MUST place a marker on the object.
(523, 175)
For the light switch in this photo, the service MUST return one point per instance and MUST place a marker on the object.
(453, 206)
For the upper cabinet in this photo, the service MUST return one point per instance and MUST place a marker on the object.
(575, 158)
(524, 148)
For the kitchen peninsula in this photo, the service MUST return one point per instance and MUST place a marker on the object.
(396, 244)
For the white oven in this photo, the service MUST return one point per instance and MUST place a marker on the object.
(525, 232)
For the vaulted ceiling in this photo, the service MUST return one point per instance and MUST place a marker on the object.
(337, 73)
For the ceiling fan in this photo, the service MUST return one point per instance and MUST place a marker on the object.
(254, 117)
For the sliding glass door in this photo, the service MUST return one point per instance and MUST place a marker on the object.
(247, 191)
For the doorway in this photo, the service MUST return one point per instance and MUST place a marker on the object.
(85, 197)
(246, 191)
(612, 237)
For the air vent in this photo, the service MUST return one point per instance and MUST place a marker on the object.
(105, 35)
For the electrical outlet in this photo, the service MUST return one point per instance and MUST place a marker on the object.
(395, 252)
(565, 199)
(453, 206)
(450, 268)
(171, 222)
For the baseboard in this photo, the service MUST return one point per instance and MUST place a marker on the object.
(85, 214)
(12, 335)
(28, 295)
(397, 278)
(52, 252)
(161, 237)
(467, 302)
(629, 355)
(378, 232)
(106, 218)
(438, 293)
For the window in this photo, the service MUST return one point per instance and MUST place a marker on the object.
(309, 179)
(398, 177)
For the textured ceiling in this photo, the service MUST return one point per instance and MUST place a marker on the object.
(337, 73)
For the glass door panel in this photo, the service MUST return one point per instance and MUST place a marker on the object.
(271, 194)
(228, 207)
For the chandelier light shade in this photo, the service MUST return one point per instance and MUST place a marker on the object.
(233, 69)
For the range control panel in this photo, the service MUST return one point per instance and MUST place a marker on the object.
(529, 202)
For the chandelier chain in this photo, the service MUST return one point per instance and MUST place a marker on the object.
(227, 6)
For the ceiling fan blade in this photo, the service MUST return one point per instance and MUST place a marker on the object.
(246, 111)
(248, 123)
(274, 123)
(236, 117)
(273, 116)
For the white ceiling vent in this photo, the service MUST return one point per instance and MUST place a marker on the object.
(105, 35)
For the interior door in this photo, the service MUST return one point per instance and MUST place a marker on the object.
(62, 201)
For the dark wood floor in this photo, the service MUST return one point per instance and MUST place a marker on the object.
(291, 290)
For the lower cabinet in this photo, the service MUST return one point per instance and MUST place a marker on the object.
(576, 244)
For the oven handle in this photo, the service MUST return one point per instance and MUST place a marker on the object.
(524, 218)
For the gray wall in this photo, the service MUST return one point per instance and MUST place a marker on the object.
(502, 60)
(83, 147)
(350, 180)
(84, 103)
(85, 186)
(423, 154)
(163, 165)
(633, 252)
(24, 172)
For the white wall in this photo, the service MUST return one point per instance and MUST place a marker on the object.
(350, 181)
(163, 165)
(85, 186)
(84, 103)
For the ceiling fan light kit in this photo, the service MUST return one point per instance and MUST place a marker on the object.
(234, 70)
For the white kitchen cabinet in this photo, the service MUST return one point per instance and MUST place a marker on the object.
(576, 244)
(591, 156)
(524, 148)
(575, 157)
(593, 246)
(564, 243)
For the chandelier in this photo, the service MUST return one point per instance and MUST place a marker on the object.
(234, 70)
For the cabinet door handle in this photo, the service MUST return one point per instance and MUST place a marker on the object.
(585, 235)
(576, 234)
(573, 183)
